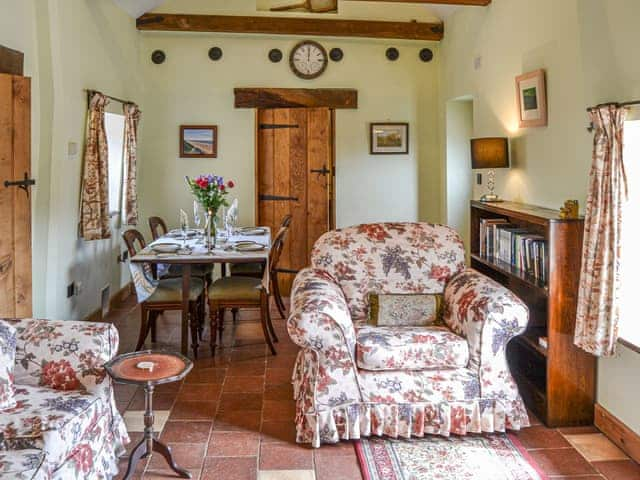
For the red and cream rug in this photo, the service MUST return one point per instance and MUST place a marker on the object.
(494, 457)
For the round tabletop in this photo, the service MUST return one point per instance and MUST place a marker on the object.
(149, 367)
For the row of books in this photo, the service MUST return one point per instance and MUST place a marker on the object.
(514, 245)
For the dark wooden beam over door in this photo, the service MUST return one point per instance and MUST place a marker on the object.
(295, 97)
(11, 61)
(473, 3)
(291, 26)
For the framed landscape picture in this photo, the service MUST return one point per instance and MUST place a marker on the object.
(531, 91)
(389, 138)
(198, 141)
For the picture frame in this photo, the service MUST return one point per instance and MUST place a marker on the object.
(531, 94)
(198, 141)
(390, 138)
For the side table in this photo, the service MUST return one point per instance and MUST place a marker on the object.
(148, 369)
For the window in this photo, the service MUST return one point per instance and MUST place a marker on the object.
(629, 320)
(114, 126)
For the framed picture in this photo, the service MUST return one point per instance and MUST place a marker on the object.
(389, 138)
(198, 141)
(531, 91)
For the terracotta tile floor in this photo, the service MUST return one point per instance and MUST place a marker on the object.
(231, 418)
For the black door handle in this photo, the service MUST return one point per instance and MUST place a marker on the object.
(22, 184)
(321, 171)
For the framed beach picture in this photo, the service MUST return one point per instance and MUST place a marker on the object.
(198, 141)
(389, 138)
(531, 91)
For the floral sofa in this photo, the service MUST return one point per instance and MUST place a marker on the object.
(353, 380)
(63, 423)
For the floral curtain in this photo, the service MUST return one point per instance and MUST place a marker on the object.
(598, 296)
(94, 201)
(131, 118)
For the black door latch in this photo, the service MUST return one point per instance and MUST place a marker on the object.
(22, 184)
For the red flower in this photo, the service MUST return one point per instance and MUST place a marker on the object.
(202, 182)
(440, 273)
(222, 187)
(83, 458)
(60, 376)
(231, 184)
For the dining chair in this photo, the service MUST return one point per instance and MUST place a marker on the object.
(256, 270)
(167, 296)
(246, 292)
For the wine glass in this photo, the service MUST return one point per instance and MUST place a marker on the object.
(184, 226)
(197, 217)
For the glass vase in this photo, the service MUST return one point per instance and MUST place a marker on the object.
(210, 230)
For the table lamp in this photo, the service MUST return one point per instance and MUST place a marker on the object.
(491, 153)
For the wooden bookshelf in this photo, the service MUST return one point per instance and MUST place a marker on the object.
(556, 383)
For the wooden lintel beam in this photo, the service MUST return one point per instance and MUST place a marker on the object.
(11, 61)
(295, 97)
(291, 26)
(473, 3)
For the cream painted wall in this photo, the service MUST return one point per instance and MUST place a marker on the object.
(189, 88)
(588, 49)
(69, 45)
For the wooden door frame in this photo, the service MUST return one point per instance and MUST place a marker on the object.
(268, 98)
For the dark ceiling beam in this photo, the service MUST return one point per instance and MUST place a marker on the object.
(290, 26)
(474, 3)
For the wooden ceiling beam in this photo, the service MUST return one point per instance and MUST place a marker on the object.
(290, 26)
(473, 3)
(295, 97)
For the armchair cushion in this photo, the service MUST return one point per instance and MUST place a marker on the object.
(410, 348)
(7, 362)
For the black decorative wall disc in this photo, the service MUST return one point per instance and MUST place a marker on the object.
(392, 53)
(158, 57)
(275, 55)
(426, 55)
(336, 54)
(215, 53)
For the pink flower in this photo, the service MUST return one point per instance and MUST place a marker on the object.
(222, 187)
(60, 376)
(231, 184)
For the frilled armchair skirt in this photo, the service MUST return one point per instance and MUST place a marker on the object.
(338, 400)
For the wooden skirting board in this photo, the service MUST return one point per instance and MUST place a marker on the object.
(618, 432)
(116, 299)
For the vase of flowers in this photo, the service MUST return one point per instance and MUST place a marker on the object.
(210, 192)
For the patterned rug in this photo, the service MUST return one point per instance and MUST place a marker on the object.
(495, 457)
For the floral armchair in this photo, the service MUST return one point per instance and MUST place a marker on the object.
(65, 424)
(353, 380)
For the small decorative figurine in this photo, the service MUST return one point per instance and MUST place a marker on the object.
(570, 209)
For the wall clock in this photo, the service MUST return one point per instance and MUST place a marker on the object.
(308, 59)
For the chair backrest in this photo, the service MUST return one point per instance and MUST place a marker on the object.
(158, 227)
(276, 248)
(286, 221)
(389, 258)
(131, 237)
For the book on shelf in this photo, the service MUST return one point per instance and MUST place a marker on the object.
(514, 245)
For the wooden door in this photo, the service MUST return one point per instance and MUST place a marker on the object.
(15, 205)
(294, 175)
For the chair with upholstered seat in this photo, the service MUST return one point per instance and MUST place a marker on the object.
(256, 270)
(246, 292)
(167, 296)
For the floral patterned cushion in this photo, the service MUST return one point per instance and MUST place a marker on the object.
(404, 310)
(7, 363)
(389, 258)
(22, 465)
(42, 415)
(410, 348)
(64, 355)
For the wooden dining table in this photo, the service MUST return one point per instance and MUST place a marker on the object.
(198, 255)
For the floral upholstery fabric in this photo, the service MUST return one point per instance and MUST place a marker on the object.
(65, 407)
(410, 348)
(389, 258)
(7, 361)
(337, 400)
(22, 465)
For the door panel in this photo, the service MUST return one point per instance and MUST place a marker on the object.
(15, 210)
(291, 142)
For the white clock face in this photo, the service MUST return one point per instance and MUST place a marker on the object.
(308, 60)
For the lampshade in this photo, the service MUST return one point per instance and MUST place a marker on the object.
(490, 152)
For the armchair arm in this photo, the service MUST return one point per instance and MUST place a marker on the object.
(64, 355)
(320, 321)
(488, 315)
